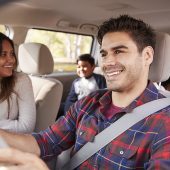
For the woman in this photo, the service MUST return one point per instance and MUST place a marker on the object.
(17, 106)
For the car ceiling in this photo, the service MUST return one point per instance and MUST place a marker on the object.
(82, 15)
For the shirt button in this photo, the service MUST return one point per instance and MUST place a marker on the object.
(121, 152)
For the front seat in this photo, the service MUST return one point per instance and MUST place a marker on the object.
(36, 60)
(160, 68)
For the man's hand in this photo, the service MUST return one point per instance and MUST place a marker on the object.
(13, 159)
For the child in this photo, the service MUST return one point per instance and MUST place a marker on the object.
(87, 81)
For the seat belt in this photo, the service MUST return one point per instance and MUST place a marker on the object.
(118, 127)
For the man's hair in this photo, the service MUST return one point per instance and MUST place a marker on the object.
(86, 57)
(141, 33)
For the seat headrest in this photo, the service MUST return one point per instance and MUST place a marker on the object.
(160, 68)
(35, 58)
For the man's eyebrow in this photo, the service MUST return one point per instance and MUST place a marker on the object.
(120, 46)
(115, 48)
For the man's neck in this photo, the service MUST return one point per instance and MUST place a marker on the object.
(123, 99)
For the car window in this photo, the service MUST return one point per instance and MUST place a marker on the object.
(3, 29)
(65, 47)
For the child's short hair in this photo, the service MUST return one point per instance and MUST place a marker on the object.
(86, 57)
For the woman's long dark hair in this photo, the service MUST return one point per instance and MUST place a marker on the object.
(7, 83)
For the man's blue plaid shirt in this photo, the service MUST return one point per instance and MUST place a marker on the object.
(146, 145)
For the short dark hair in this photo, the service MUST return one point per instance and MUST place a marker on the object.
(86, 57)
(141, 33)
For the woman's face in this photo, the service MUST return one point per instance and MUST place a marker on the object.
(7, 59)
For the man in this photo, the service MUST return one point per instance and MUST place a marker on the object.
(87, 81)
(127, 49)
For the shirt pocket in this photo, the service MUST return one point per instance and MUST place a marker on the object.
(121, 153)
(87, 131)
(84, 136)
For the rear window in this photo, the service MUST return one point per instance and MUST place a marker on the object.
(65, 47)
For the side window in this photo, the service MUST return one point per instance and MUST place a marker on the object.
(65, 47)
(3, 29)
(8, 31)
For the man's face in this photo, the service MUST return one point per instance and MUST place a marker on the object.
(7, 59)
(123, 66)
(84, 69)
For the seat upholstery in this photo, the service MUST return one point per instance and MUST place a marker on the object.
(160, 68)
(36, 60)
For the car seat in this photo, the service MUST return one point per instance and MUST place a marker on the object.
(35, 59)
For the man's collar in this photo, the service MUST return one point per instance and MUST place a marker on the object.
(150, 93)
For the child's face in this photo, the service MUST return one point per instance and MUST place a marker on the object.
(84, 69)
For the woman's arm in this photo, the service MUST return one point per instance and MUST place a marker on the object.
(23, 142)
(11, 159)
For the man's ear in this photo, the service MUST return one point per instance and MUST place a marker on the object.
(148, 54)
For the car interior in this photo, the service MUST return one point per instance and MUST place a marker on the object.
(49, 36)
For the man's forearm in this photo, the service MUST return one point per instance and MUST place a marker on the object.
(23, 142)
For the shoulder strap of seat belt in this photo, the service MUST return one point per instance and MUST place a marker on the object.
(114, 130)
